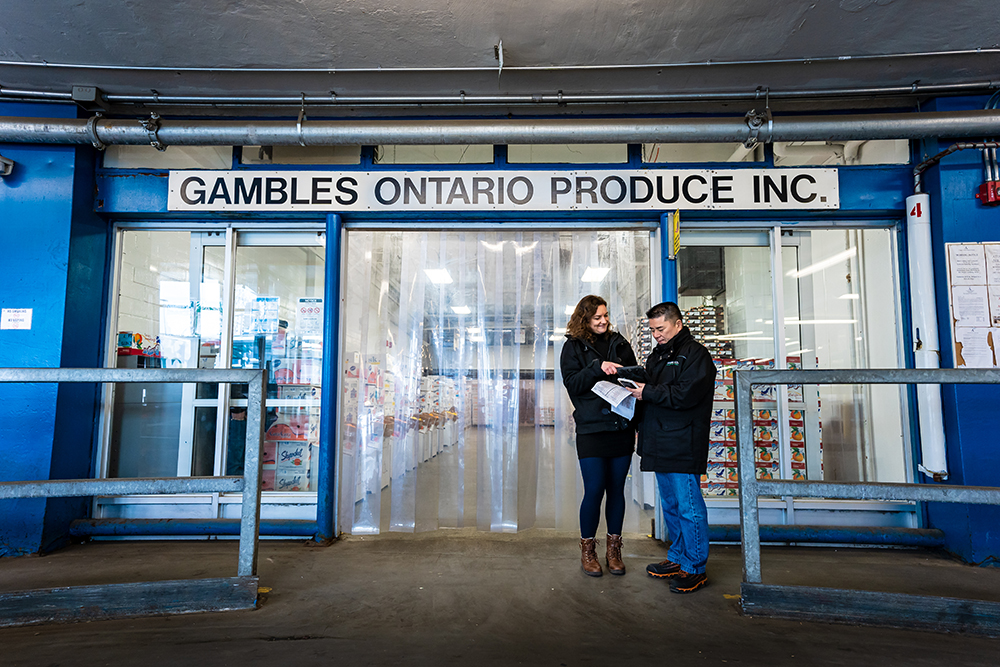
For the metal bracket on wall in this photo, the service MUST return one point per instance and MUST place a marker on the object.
(755, 121)
(6, 166)
(92, 131)
(152, 127)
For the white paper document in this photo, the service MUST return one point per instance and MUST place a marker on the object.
(966, 264)
(976, 350)
(992, 263)
(971, 306)
(622, 401)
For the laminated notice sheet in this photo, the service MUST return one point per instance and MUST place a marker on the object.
(970, 306)
(966, 264)
(621, 399)
(974, 347)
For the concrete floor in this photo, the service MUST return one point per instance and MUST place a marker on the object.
(469, 598)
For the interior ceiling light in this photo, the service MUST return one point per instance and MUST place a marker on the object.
(823, 263)
(438, 276)
(735, 335)
(570, 309)
(559, 330)
(849, 296)
(474, 331)
(461, 310)
(594, 274)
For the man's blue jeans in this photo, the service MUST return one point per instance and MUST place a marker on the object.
(686, 519)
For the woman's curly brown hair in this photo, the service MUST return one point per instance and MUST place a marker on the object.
(579, 321)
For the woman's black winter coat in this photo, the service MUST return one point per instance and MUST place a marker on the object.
(581, 370)
(677, 407)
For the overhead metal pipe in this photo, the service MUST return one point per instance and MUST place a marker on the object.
(161, 133)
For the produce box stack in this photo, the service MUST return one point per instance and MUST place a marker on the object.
(706, 323)
(643, 343)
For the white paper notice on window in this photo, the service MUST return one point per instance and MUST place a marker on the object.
(992, 263)
(15, 318)
(970, 306)
(966, 264)
(974, 347)
(310, 317)
(621, 399)
(265, 315)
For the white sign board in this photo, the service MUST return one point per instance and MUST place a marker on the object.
(15, 318)
(507, 190)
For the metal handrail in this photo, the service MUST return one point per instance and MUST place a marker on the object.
(751, 489)
(249, 483)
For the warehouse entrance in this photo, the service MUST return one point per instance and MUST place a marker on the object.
(452, 411)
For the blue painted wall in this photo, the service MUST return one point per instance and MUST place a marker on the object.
(53, 252)
(972, 417)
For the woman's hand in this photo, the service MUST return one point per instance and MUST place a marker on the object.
(610, 367)
(637, 390)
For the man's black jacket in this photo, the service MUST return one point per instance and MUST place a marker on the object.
(677, 406)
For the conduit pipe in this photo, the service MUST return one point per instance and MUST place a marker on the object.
(158, 132)
(926, 345)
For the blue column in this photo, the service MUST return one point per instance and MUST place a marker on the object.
(668, 267)
(326, 496)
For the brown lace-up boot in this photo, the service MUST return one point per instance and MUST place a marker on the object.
(614, 555)
(588, 557)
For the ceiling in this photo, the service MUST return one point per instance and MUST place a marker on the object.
(350, 57)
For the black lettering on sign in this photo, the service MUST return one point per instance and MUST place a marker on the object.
(560, 186)
(276, 191)
(588, 185)
(438, 182)
(622, 190)
(295, 192)
(346, 186)
(241, 194)
(199, 194)
(458, 191)
(718, 188)
(675, 190)
(634, 182)
(756, 189)
(408, 187)
(686, 188)
(528, 187)
(779, 190)
(317, 190)
(482, 186)
(378, 191)
(500, 190)
(220, 191)
(802, 199)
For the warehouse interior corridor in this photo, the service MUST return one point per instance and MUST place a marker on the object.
(453, 412)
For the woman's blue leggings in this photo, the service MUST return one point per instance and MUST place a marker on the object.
(603, 476)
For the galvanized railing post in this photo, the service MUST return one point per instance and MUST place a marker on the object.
(252, 462)
(749, 518)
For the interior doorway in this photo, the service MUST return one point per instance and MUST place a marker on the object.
(453, 412)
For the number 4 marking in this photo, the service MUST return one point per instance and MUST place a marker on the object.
(915, 211)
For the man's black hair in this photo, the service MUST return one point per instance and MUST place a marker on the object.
(667, 310)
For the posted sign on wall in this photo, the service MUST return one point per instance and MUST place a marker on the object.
(508, 190)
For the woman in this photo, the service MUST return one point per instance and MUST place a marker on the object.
(604, 440)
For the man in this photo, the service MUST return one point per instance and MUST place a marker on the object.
(673, 442)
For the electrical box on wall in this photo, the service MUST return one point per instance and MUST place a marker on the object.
(989, 193)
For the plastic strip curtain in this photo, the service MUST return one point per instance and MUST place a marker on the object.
(453, 405)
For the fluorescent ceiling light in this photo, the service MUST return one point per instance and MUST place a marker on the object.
(798, 322)
(800, 351)
(849, 296)
(823, 263)
(461, 310)
(594, 274)
(438, 276)
(477, 339)
(555, 339)
(569, 310)
(474, 331)
(735, 335)
(559, 330)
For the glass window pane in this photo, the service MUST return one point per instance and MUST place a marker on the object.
(278, 325)
(656, 153)
(474, 154)
(165, 319)
(300, 155)
(803, 153)
(175, 157)
(566, 153)
(841, 312)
